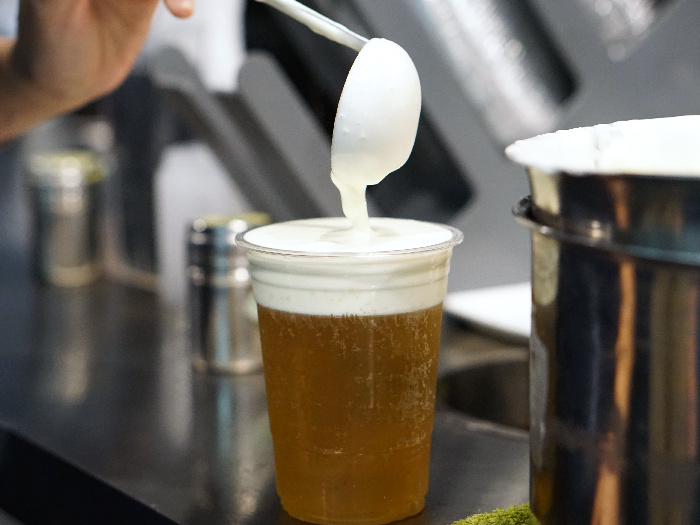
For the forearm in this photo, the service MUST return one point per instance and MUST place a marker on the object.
(22, 104)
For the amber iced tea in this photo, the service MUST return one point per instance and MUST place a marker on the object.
(351, 401)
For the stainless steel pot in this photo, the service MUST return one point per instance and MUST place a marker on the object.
(614, 219)
(614, 362)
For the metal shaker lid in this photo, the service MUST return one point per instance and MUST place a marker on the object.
(212, 239)
(61, 169)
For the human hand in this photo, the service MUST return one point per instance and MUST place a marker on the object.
(76, 50)
(69, 52)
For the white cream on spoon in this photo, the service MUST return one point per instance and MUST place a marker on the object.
(377, 118)
(376, 123)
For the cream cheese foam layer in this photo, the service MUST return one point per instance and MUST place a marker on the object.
(322, 267)
(335, 236)
(663, 146)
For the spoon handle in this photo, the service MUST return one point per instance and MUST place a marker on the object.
(318, 23)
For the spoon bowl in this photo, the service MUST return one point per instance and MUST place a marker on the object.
(377, 119)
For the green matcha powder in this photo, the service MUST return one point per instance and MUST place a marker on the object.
(513, 515)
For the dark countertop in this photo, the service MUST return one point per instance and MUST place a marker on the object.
(101, 377)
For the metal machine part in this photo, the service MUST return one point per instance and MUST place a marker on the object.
(622, 23)
(502, 57)
(276, 163)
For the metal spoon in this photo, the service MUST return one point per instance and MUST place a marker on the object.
(318, 23)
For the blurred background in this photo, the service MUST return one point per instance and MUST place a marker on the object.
(232, 111)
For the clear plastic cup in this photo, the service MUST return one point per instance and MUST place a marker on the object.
(350, 344)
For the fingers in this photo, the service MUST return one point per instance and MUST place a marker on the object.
(180, 8)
